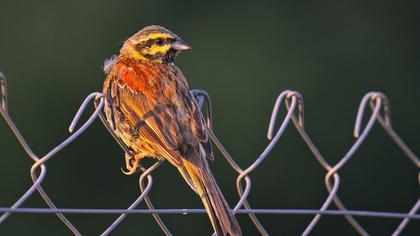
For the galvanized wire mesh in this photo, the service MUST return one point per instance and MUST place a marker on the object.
(293, 103)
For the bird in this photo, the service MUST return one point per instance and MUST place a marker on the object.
(150, 108)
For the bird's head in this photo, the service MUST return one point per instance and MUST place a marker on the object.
(153, 43)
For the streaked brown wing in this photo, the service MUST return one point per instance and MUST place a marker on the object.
(197, 122)
(164, 121)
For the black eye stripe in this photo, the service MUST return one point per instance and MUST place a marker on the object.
(159, 41)
(143, 44)
(139, 46)
(148, 43)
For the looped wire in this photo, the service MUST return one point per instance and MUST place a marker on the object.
(373, 98)
(203, 97)
(40, 162)
(333, 185)
(243, 174)
(300, 117)
(386, 116)
(385, 121)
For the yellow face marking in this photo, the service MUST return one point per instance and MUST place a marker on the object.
(137, 56)
(153, 49)
(156, 49)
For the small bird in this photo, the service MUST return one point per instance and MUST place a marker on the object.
(152, 111)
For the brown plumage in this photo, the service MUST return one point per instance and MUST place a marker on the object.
(153, 112)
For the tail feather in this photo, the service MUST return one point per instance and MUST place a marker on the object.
(200, 178)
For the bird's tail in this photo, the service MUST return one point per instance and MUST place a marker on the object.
(196, 172)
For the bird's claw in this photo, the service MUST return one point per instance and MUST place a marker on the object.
(129, 172)
(131, 164)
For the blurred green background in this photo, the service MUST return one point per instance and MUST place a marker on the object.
(244, 54)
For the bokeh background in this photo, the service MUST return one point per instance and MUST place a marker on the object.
(244, 54)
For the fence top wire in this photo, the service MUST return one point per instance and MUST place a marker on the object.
(294, 105)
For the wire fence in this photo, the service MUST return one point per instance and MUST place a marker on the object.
(293, 102)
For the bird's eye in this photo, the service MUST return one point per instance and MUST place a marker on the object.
(159, 41)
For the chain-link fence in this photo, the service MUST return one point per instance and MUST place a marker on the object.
(293, 103)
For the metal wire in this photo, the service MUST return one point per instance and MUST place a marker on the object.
(293, 103)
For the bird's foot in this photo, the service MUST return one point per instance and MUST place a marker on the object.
(132, 164)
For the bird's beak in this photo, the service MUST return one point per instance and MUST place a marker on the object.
(180, 45)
